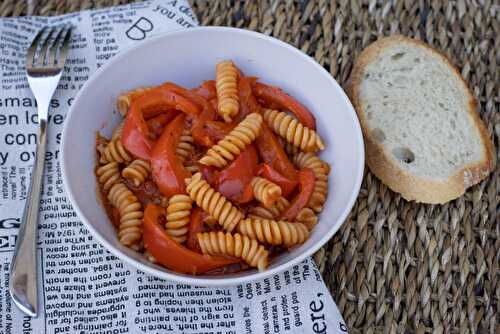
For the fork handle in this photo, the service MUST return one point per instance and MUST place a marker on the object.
(23, 285)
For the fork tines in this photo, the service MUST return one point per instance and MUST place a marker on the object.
(49, 48)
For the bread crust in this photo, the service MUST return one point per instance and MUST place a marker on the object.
(381, 163)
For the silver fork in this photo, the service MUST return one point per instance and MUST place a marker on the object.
(44, 65)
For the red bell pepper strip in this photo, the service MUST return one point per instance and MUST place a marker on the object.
(167, 169)
(208, 173)
(272, 94)
(206, 89)
(273, 154)
(286, 185)
(200, 137)
(195, 226)
(157, 123)
(171, 254)
(233, 181)
(306, 184)
(134, 140)
(214, 103)
(199, 100)
(218, 130)
(248, 102)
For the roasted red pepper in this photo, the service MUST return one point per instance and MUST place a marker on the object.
(248, 102)
(206, 90)
(272, 153)
(200, 137)
(286, 185)
(233, 181)
(171, 254)
(135, 141)
(167, 169)
(157, 123)
(208, 173)
(199, 100)
(274, 95)
(195, 227)
(306, 184)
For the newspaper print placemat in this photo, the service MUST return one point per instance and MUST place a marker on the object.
(85, 288)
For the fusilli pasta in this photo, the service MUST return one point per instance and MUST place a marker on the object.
(265, 191)
(237, 245)
(307, 217)
(259, 212)
(185, 147)
(321, 170)
(213, 202)
(137, 171)
(230, 146)
(226, 82)
(108, 175)
(178, 212)
(293, 131)
(274, 232)
(129, 207)
(149, 257)
(281, 204)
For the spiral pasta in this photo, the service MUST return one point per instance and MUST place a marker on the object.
(274, 232)
(149, 257)
(185, 147)
(290, 150)
(123, 101)
(307, 217)
(293, 131)
(178, 212)
(259, 212)
(117, 132)
(137, 171)
(265, 191)
(226, 84)
(192, 168)
(281, 204)
(129, 207)
(237, 245)
(108, 175)
(321, 170)
(213, 202)
(231, 145)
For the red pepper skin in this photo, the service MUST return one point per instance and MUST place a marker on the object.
(276, 96)
(171, 254)
(248, 102)
(135, 141)
(273, 154)
(195, 227)
(208, 173)
(306, 185)
(233, 181)
(200, 101)
(206, 90)
(286, 185)
(157, 123)
(167, 169)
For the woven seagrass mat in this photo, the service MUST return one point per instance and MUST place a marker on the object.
(395, 266)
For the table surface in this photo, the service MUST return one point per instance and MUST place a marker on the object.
(394, 266)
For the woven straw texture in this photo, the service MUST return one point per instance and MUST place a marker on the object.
(395, 266)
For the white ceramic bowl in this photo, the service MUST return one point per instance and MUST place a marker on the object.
(188, 57)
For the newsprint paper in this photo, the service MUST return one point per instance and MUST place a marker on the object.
(85, 289)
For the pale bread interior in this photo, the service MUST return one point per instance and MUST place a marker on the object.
(417, 108)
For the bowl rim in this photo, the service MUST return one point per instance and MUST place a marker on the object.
(216, 280)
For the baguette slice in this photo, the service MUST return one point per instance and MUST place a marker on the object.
(423, 135)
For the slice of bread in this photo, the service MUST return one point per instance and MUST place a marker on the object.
(423, 135)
